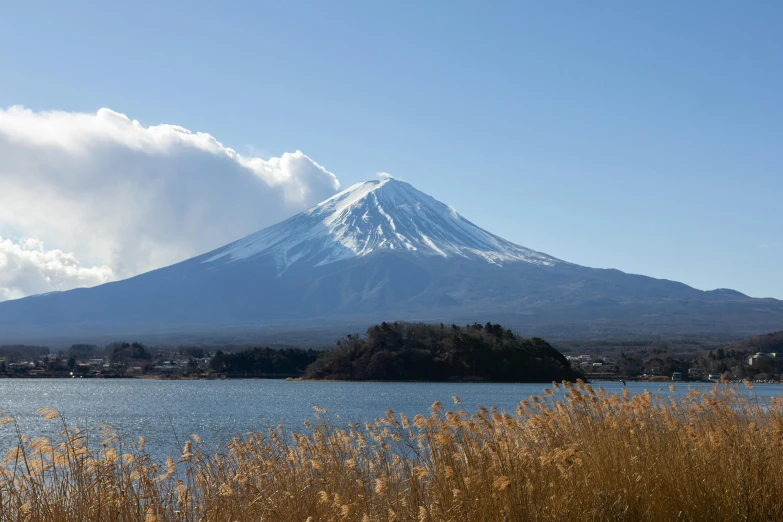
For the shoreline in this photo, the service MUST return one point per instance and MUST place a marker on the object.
(660, 381)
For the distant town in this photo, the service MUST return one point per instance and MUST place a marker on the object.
(123, 360)
(597, 367)
(759, 359)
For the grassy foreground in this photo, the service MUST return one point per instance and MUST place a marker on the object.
(574, 453)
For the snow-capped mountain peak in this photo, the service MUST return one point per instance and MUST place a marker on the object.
(377, 251)
(372, 216)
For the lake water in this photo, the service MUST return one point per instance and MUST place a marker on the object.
(217, 409)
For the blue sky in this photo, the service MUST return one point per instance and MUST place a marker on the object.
(647, 138)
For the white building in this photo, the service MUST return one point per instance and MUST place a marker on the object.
(761, 355)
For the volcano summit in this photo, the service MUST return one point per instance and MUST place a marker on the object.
(384, 250)
(372, 217)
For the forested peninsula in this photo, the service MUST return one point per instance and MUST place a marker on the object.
(436, 352)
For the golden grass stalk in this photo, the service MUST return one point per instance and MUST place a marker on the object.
(573, 453)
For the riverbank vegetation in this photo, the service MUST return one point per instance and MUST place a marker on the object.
(263, 362)
(415, 351)
(575, 453)
(757, 358)
(388, 352)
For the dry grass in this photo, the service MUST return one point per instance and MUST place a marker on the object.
(573, 454)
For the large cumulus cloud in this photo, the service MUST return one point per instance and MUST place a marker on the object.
(123, 198)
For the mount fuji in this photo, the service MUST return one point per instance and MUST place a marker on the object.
(383, 250)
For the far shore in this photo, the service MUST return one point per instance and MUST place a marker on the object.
(655, 379)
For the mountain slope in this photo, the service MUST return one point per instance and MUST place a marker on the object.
(382, 249)
(380, 215)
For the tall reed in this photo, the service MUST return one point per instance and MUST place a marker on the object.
(574, 453)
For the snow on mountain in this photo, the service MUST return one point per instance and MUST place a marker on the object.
(374, 216)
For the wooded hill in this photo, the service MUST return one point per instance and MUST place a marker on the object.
(424, 352)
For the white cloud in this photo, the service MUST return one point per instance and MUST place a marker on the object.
(27, 268)
(128, 198)
(386, 175)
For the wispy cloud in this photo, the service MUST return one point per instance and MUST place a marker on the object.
(386, 175)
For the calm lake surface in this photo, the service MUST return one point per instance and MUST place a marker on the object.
(217, 409)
